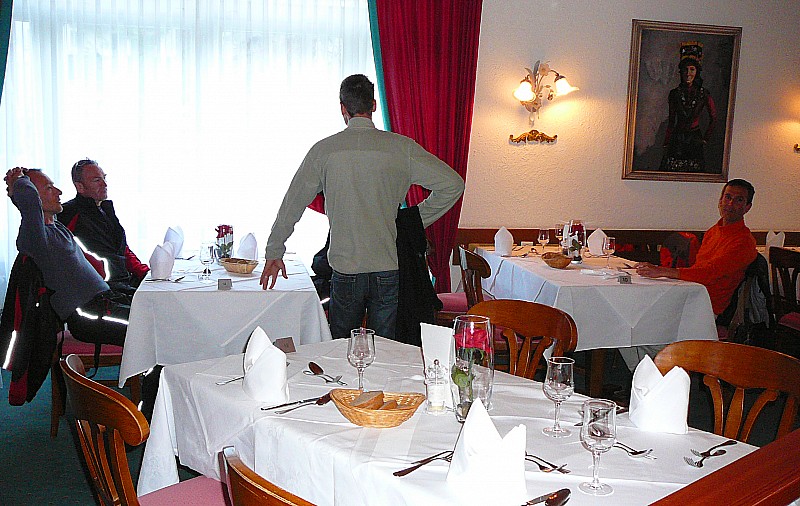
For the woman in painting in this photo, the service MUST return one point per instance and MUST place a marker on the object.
(684, 139)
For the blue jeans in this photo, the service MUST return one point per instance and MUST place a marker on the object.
(375, 292)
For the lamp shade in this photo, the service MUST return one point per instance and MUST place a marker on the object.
(563, 87)
(524, 92)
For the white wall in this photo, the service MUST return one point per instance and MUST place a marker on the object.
(579, 176)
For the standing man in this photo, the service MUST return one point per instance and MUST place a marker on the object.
(365, 174)
(91, 217)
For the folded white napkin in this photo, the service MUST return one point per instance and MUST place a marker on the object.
(503, 242)
(487, 463)
(265, 370)
(438, 344)
(659, 403)
(161, 262)
(248, 248)
(595, 242)
(774, 239)
(174, 236)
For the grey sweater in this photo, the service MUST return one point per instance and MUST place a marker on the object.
(65, 270)
(365, 174)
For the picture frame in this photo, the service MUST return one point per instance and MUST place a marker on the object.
(667, 134)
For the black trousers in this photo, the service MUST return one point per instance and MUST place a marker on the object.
(102, 320)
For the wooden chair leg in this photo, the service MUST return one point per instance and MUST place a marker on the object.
(58, 398)
(135, 385)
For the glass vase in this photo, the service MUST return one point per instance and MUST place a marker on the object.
(472, 372)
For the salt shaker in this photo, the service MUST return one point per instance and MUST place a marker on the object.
(437, 385)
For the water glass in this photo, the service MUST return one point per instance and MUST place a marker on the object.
(609, 247)
(558, 386)
(598, 435)
(207, 255)
(544, 237)
(361, 351)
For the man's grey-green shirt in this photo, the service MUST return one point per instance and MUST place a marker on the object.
(365, 174)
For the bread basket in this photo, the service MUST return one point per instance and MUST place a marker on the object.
(407, 404)
(238, 265)
(556, 260)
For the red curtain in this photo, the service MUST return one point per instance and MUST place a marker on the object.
(430, 56)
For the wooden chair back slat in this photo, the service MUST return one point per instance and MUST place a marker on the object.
(106, 420)
(535, 325)
(247, 488)
(745, 368)
(473, 268)
(785, 266)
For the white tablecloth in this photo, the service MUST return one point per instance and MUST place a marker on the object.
(172, 323)
(316, 453)
(608, 314)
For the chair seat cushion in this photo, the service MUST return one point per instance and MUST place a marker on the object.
(72, 345)
(454, 302)
(791, 320)
(197, 491)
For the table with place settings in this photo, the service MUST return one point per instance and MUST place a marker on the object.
(316, 453)
(175, 322)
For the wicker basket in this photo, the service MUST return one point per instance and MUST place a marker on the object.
(407, 403)
(556, 260)
(238, 265)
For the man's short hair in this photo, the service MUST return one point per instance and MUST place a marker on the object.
(77, 169)
(357, 94)
(741, 183)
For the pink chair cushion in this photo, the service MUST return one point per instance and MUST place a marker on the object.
(72, 345)
(197, 491)
(454, 302)
(791, 320)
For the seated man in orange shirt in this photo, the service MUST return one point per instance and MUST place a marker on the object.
(727, 250)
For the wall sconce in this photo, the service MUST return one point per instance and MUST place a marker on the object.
(531, 93)
(797, 148)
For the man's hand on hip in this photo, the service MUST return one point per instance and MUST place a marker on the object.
(271, 271)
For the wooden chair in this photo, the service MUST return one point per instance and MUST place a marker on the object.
(535, 325)
(473, 268)
(785, 267)
(250, 489)
(106, 421)
(110, 356)
(744, 368)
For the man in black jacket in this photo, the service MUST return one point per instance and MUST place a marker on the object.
(91, 218)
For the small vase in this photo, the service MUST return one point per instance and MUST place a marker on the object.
(472, 373)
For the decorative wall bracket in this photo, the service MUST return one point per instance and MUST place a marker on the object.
(797, 148)
(532, 136)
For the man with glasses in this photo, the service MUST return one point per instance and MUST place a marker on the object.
(728, 248)
(91, 217)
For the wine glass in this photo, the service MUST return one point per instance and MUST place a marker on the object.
(207, 254)
(361, 351)
(609, 246)
(558, 387)
(577, 232)
(559, 233)
(544, 237)
(598, 434)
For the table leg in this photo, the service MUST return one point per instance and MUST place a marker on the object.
(597, 363)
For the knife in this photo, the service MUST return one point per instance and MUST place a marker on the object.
(556, 498)
(313, 399)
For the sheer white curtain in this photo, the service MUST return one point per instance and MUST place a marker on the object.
(199, 111)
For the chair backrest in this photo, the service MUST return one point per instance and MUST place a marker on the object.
(745, 368)
(751, 303)
(473, 268)
(679, 249)
(106, 420)
(250, 489)
(536, 325)
(785, 265)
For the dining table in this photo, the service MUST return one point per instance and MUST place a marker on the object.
(183, 319)
(607, 313)
(314, 452)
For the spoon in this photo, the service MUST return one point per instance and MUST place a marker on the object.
(552, 499)
(325, 399)
(316, 370)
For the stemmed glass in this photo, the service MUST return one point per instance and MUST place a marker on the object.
(361, 351)
(609, 246)
(207, 254)
(558, 387)
(559, 232)
(598, 434)
(544, 237)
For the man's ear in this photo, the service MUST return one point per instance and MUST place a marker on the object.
(78, 186)
(374, 106)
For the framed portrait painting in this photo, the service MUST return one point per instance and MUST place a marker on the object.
(681, 91)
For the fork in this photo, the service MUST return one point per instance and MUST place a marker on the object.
(446, 456)
(699, 463)
(635, 453)
(561, 469)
